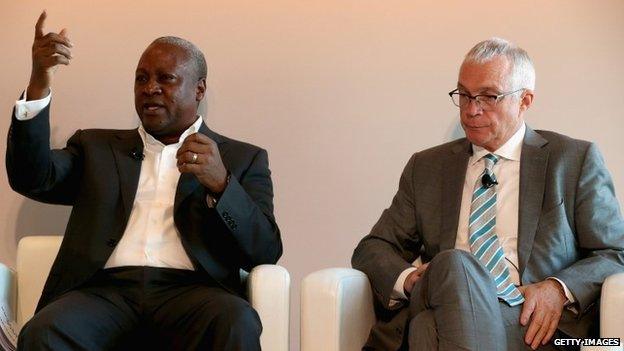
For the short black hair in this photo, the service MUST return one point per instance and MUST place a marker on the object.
(193, 51)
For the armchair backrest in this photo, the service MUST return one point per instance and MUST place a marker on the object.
(35, 255)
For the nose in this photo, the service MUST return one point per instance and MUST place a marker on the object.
(472, 108)
(152, 87)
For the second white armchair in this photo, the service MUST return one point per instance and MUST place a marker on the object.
(337, 310)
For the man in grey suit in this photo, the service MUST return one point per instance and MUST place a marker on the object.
(517, 228)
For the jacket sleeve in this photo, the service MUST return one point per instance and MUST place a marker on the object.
(37, 172)
(246, 207)
(393, 241)
(599, 230)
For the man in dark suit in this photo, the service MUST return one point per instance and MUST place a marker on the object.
(516, 229)
(163, 219)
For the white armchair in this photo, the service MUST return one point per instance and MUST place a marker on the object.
(337, 310)
(268, 287)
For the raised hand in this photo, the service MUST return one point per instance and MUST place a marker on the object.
(200, 155)
(48, 52)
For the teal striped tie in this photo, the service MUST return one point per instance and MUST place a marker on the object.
(483, 240)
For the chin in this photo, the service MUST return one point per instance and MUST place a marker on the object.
(473, 136)
(152, 128)
(478, 140)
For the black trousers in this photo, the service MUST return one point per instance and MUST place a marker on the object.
(144, 308)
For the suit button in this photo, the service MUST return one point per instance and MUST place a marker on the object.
(111, 242)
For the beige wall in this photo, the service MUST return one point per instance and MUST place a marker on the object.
(341, 93)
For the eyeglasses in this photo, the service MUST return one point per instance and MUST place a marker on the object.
(483, 101)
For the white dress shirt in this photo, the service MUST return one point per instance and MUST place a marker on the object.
(151, 238)
(507, 172)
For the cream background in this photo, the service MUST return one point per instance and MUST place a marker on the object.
(341, 93)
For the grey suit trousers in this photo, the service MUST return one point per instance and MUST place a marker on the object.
(454, 307)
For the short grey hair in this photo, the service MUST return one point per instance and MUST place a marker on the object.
(522, 70)
(193, 51)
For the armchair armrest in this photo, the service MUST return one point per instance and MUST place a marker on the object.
(336, 310)
(268, 287)
(612, 307)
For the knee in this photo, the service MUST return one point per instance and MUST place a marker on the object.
(35, 331)
(458, 264)
(453, 259)
(238, 318)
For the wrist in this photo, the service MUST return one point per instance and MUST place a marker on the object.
(37, 91)
(216, 194)
(560, 291)
(409, 283)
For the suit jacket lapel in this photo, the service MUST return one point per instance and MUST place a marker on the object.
(533, 163)
(188, 182)
(452, 188)
(124, 145)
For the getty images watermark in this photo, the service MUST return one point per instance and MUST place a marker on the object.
(587, 342)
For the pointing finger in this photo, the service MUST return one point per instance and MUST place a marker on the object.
(39, 25)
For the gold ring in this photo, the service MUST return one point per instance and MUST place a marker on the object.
(194, 159)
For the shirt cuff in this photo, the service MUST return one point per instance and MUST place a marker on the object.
(398, 293)
(25, 110)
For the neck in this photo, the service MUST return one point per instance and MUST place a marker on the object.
(168, 139)
(496, 144)
(173, 137)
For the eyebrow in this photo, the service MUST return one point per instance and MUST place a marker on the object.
(494, 90)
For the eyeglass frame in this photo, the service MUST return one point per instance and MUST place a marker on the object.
(475, 98)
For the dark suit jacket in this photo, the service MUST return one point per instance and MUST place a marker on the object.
(570, 226)
(97, 175)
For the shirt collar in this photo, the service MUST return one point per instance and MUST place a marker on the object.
(511, 150)
(149, 140)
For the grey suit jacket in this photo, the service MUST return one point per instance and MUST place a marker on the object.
(570, 226)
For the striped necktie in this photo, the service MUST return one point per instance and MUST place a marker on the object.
(483, 240)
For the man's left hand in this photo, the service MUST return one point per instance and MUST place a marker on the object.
(543, 305)
(207, 165)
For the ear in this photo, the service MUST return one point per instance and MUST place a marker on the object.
(200, 89)
(526, 100)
